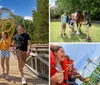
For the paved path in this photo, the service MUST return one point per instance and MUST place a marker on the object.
(15, 77)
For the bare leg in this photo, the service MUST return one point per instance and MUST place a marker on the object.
(61, 29)
(64, 31)
(2, 65)
(20, 65)
(7, 65)
(24, 58)
(87, 33)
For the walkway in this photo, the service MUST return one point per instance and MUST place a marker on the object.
(15, 77)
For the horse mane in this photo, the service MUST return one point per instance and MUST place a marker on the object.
(80, 16)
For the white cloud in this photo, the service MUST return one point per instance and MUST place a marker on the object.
(12, 11)
(1, 6)
(27, 17)
(52, 3)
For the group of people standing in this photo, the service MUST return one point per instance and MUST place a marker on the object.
(71, 19)
(62, 70)
(21, 47)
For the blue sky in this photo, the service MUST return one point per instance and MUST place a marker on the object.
(52, 2)
(19, 7)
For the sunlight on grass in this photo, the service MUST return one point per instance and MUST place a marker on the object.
(55, 31)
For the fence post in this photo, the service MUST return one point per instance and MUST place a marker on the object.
(36, 60)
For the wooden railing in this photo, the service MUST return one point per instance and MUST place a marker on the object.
(38, 61)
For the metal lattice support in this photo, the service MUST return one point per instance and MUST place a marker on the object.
(93, 64)
(10, 18)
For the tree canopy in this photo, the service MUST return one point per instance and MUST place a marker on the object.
(85, 5)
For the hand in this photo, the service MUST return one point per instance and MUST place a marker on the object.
(28, 53)
(2, 39)
(58, 77)
(14, 50)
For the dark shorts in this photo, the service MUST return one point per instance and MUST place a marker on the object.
(64, 26)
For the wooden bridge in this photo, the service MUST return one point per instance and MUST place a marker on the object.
(36, 70)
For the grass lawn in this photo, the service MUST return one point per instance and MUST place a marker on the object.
(55, 32)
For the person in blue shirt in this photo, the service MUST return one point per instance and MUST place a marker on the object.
(63, 24)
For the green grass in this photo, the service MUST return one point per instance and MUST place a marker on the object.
(55, 31)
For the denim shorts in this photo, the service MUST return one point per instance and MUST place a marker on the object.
(5, 53)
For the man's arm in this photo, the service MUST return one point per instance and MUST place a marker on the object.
(28, 47)
(61, 18)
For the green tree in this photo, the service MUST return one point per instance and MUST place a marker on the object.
(85, 5)
(29, 28)
(41, 22)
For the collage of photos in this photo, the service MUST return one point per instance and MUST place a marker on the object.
(49, 42)
(74, 42)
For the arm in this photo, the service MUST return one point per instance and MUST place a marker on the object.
(28, 47)
(61, 19)
(1, 42)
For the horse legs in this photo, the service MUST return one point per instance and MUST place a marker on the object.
(78, 28)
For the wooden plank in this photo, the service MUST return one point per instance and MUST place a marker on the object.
(37, 73)
(39, 49)
(40, 55)
(36, 62)
(39, 45)
(41, 59)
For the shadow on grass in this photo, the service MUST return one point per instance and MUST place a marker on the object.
(70, 39)
(75, 38)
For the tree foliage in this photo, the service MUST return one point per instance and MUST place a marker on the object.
(41, 22)
(93, 6)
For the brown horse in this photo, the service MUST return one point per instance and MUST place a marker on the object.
(79, 19)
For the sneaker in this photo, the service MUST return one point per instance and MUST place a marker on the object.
(61, 35)
(7, 77)
(23, 80)
(77, 32)
(89, 38)
(65, 34)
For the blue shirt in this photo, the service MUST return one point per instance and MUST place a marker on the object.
(63, 19)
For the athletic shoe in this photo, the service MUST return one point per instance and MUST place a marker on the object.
(23, 80)
(7, 77)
